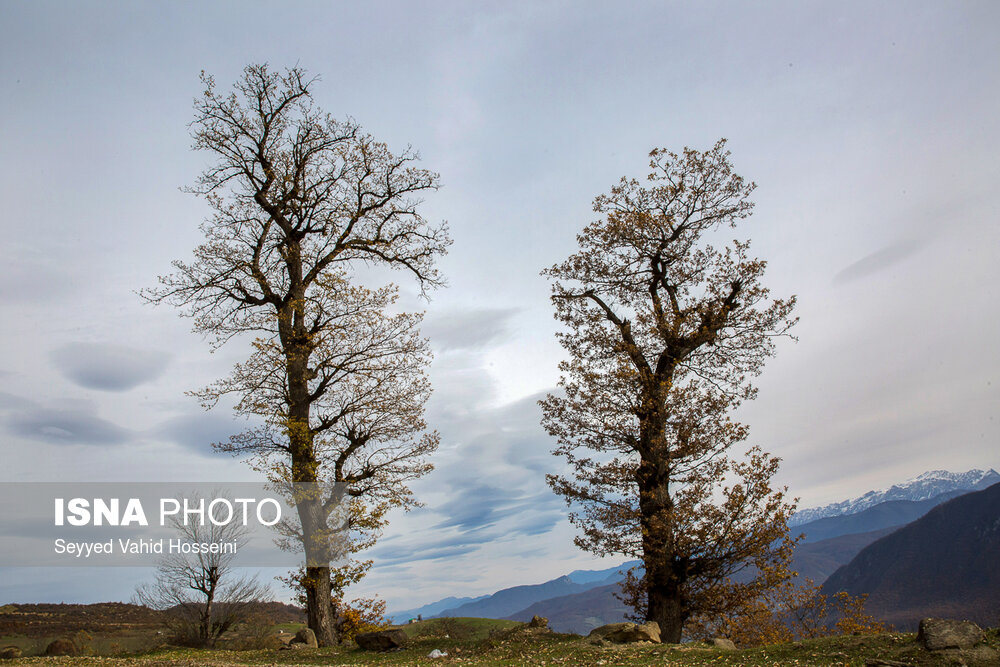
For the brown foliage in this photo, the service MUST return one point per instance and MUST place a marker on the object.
(338, 383)
(664, 332)
(804, 613)
(786, 611)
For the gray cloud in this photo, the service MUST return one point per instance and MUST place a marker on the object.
(468, 329)
(877, 261)
(403, 555)
(108, 367)
(199, 431)
(489, 485)
(482, 506)
(12, 402)
(72, 426)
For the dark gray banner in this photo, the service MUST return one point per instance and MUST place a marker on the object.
(140, 524)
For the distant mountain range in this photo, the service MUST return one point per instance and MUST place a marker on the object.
(945, 564)
(838, 542)
(579, 613)
(510, 600)
(429, 610)
(925, 486)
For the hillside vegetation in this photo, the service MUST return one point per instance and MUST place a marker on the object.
(476, 641)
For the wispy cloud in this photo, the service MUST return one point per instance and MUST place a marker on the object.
(468, 329)
(877, 261)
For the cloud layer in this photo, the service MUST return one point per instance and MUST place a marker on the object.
(108, 367)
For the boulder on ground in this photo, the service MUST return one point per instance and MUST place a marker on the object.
(723, 643)
(603, 631)
(937, 634)
(626, 633)
(381, 640)
(10, 652)
(538, 622)
(307, 637)
(61, 647)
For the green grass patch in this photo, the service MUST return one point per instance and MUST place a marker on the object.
(486, 642)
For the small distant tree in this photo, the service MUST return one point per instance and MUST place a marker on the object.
(663, 333)
(339, 382)
(201, 595)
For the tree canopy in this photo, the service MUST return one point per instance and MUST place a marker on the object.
(336, 380)
(664, 332)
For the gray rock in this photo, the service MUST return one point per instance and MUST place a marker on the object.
(603, 631)
(627, 633)
(381, 640)
(937, 634)
(979, 656)
(9, 653)
(723, 643)
(307, 637)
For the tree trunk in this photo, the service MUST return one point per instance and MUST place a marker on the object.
(319, 609)
(206, 624)
(317, 582)
(665, 607)
(296, 348)
(664, 575)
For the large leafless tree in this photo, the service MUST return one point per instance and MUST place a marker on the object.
(663, 334)
(299, 198)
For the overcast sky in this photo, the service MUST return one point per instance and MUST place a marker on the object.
(870, 128)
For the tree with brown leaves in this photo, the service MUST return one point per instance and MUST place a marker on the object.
(664, 333)
(338, 383)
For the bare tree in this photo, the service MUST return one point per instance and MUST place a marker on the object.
(200, 593)
(664, 333)
(298, 198)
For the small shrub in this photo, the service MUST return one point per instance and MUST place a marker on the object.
(362, 615)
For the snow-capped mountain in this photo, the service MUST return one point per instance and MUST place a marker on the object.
(922, 487)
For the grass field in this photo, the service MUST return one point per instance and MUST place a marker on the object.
(476, 641)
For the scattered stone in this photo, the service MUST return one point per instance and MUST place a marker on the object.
(604, 630)
(61, 647)
(285, 638)
(381, 640)
(538, 622)
(627, 633)
(437, 654)
(305, 637)
(937, 634)
(9, 653)
(723, 643)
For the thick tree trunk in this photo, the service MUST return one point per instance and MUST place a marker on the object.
(296, 347)
(319, 610)
(665, 605)
(664, 574)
